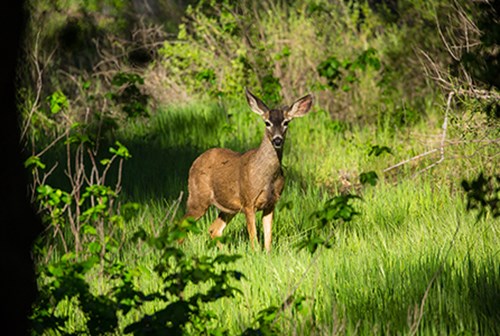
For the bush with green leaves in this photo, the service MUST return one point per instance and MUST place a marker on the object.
(68, 289)
(89, 204)
(88, 223)
(279, 49)
(483, 195)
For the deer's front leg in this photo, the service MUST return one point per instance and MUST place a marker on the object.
(267, 222)
(252, 230)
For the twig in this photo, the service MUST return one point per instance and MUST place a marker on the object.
(416, 324)
(440, 149)
(443, 39)
(39, 72)
(289, 297)
(56, 140)
(176, 206)
(443, 135)
(171, 212)
(478, 94)
(410, 159)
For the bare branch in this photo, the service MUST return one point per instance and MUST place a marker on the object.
(39, 69)
(420, 312)
(445, 42)
(410, 160)
(443, 135)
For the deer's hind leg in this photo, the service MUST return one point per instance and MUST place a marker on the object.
(219, 224)
(196, 207)
(200, 197)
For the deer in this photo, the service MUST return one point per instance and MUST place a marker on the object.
(244, 182)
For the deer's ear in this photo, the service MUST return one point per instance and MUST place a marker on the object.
(301, 107)
(256, 104)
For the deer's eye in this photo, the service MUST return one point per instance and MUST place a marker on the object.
(268, 123)
(285, 123)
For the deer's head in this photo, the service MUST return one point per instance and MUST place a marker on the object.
(277, 120)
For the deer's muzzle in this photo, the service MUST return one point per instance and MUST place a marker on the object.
(277, 141)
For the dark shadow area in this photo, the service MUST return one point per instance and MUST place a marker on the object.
(163, 154)
(156, 172)
(20, 225)
(162, 149)
(482, 283)
(465, 299)
(153, 172)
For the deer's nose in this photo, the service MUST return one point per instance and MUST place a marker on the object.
(277, 142)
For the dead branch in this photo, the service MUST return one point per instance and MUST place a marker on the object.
(469, 92)
(420, 313)
(443, 135)
(39, 70)
(410, 160)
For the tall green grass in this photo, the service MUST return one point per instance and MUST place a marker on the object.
(375, 276)
(413, 257)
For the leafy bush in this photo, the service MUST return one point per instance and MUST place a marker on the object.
(95, 217)
(281, 53)
(68, 282)
(483, 195)
(357, 57)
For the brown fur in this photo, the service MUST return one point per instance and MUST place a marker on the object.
(247, 182)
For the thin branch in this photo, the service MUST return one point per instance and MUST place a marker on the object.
(433, 72)
(410, 159)
(289, 297)
(443, 39)
(443, 135)
(172, 211)
(47, 174)
(478, 94)
(38, 87)
(56, 140)
(416, 324)
(118, 186)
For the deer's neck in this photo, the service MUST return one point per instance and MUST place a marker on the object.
(268, 155)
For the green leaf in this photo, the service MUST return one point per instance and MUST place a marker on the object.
(330, 70)
(284, 53)
(86, 85)
(89, 229)
(44, 190)
(68, 257)
(122, 78)
(66, 198)
(351, 78)
(78, 138)
(368, 178)
(346, 88)
(94, 247)
(120, 151)
(336, 208)
(57, 101)
(34, 162)
(226, 259)
(55, 270)
(89, 263)
(268, 314)
(379, 150)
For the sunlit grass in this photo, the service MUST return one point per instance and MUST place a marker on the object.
(413, 234)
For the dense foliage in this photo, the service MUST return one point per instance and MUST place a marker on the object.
(118, 98)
